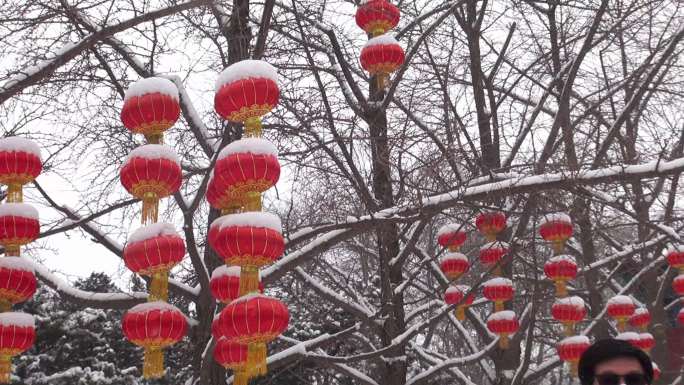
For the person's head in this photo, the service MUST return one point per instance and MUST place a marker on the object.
(615, 362)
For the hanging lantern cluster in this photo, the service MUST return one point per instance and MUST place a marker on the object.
(454, 264)
(152, 172)
(382, 54)
(20, 164)
(675, 258)
(246, 238)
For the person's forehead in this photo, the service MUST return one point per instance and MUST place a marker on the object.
(619, 365)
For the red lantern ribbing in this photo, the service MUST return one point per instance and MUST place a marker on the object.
(376, 17)
(646, 342)
(18, 226)
(490, 224)
(381, 56)
(151, 107)
(556, 229)
(640, 319)
(504, 323)
(620, 308)
(569, 311)
(454, 265)
(225, 283)
(234, 357)
(20, 163)
(571, 349)
(456, 294)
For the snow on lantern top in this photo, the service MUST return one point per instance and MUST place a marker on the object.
(152, 85)
(556, 217)
(504, 315)
(17, 319)
(574, 301)
(450, 229)
(253, 219)
(628, 336)
(674, 249)
(620, 300)
(154, 151)
(563, 258)
(152, 231)
(462, 289)
(247, 69)
(16, 263)
(226, 271)
(152, 306)
(498, 281)
(19, 144)
(454, 256)
(256, 146)
(386, 39)
(575, 340)
(23, 210)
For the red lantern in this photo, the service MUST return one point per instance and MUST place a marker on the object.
(220, 196)
(556, 229)
(248, 167)
(17, 282)
(646, 342)
(154, 250)
(656, 372)
(18, 226)
(151, 172)
(249, 240)
(254, 320)
(569, 311)
(234, 357)
(151, 107)
(675, 257)
(20, 163)
(376, 17)
(571, 349)
(381, 56)
(490, 224)
(491, 253)
(454, 265)
(17, 334)
(621, 308)
(640, 319)
(498, 290)
(246, 91)
(451, 236)
(680, 317)
(225, 283)
(154, 326)
(631, 337)
(455, 295)
(678, 285)
(504, 323)
(561, 269)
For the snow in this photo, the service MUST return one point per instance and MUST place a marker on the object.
(150, 306)
(644, 336)
(504, 315)
(386, 39)
(563, 258)
(226, 271)
(152, 231)
(571, 301)
(556, 217)
(246, 69)
(16, 263)
(495, 245)
(17, 319)
(458, 289)
(150, 86)
(620, 300)
(154, 151)
(23, 210)
(256, 146)
(17, 143)
(250, 297)
(640, 311)
(674, 249)
(499, 281)
(628, 336)
(576, 340)
(255, 219)
(450, 229)
(454, 256)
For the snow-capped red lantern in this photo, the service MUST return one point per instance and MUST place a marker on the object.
(254, 320)
(233, 356)
(675, 257)
(249, 240)
(646, 342)
(17, 334)
(153, 250)
(381, 56)
(621, 307)
(248, 167)
(151, 172)
(570, 350)
(451, 236)
(504, 323)
(492, 253)
(656, 372)
(557, 229)
(376, 17)
(561, 269)
(151, 107)
(640, 319)
(225, 283)
(20, 163)
(154, 326)
(631, 337)
(569, 311)
(490, 224)
(457, 295)
(678, 285)
(454, 265)
(498, 290)
(246, 91)
(17, 282)
(18, 226)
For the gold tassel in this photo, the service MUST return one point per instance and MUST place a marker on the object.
(240, 377)
(558, 247)
(503, 341)
(150, 208)
(498, 306)
(382, 80)
(569, 329)
(256, 359)
(460, 313)
(249, 280)
(253, 127)
(5, 306)
(253, 201)
(159, 286)
(153, 366)
(378, 32)
(561, 289)
(12, 250)
(574, 368)
(15, 193)
(621, 324)
(155, 138)
(5, 369)
(453, 249)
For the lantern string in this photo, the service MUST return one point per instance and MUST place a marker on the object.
(5, 368)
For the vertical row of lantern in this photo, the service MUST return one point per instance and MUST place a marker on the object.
(246, 238)
(454, 264)
(20, 163)
(152, 172)
(381, 55)
(675, 258)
